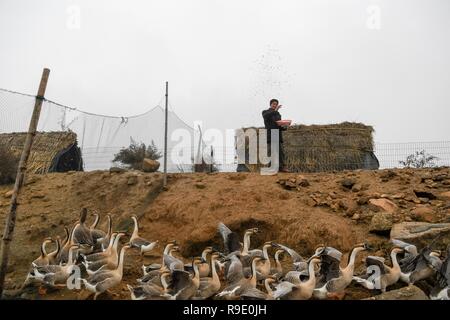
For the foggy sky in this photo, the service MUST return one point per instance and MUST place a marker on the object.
(224, 60)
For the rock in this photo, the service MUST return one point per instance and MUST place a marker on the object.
(406, 293)
(381, 223)
(444, 195)
(387, 175)
(356, 216)
(149, 165)
(38, 196)
(383, 204)
(132, 180)
(350, 206)
(9, 194)
(200, 185)
(357, 187)
(422, 233)
(423, 213)
(362, 200)
(116, 169)
(348, 183)
(303, 182)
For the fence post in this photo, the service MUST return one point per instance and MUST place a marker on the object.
(165, 135)
(11, 217)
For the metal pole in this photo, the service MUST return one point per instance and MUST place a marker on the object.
(165, 135)
(11, 218)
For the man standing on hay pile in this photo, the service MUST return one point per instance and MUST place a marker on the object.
(272, 120)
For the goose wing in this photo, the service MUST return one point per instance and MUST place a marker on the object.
(98, 277)
(82, 235)
(294, 255)
(293, 277)
(234, 270)
(48, 269)
(253, 294)
(173, 263)
(443, 276)
(282, 289)
(139, 242)
(378, 262)
(329, 267)
(180, 280)
(408, 247)
(230, 238)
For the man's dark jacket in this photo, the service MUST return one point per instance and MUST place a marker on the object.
(271, 117)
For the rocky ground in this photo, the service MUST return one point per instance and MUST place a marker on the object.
(337, 209)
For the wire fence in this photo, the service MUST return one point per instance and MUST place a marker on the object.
(101, 137)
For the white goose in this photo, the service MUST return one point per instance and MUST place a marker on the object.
(139, 242)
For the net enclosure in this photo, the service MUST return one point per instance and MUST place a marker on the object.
(316, 148)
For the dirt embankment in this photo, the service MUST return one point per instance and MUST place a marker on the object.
(300, 211)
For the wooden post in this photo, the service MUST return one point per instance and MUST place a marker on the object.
(11, 217)
(165, 135)
(211, 160)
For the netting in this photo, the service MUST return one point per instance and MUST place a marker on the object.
(100, 137)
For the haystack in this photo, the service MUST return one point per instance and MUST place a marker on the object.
(332, 147)
(50, 152)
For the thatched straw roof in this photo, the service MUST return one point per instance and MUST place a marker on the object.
(46, 151)
(329, 147)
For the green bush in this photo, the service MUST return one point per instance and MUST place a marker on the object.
(133, 156)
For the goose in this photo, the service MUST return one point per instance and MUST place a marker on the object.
(102, 281)
(64, 252)
(100, 237)
(55, 274)
(108, 263)
(101, 255)
(209, 286)
(170, 263)
(441, 290)
(154, 267)
(298, 262)
(230, 239)
(82, 234)
(138, 242)
(203, 267)
(267, 285)
(263, 268)
(286, 290)
(53, 256)
(106, 239)
(410, 251)
(150, 291)
(66, 236)
(183, 285)
(383, 275)
(335, 278)
(233, 269)
(43, 259)
(277, 271)
(424, 265)
(234, 291)
(246, 249)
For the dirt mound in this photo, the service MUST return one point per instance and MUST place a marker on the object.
(332, 208)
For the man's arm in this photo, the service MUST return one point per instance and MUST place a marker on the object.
(267, 114)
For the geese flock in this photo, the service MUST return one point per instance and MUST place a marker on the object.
(234, 272)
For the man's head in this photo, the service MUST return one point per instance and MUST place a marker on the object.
(273, 103)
